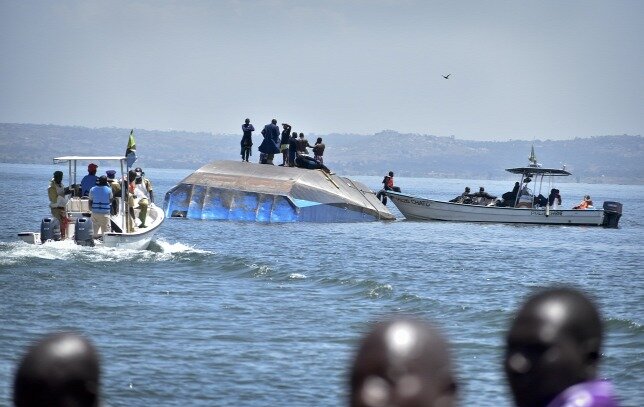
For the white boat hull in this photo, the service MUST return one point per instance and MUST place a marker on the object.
(427, 209)
(141, 237)
(138, 240)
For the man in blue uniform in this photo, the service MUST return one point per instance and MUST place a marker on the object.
(271, 143)
(100, 200)
(89, 180)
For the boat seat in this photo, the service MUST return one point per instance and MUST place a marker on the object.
(77, 204)
(524, 205)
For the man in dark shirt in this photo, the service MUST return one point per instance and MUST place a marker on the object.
(292, 149)
(247, 140)
(271, 143)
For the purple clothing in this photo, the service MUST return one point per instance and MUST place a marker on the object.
(595, 393)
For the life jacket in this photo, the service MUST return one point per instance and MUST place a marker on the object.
(584, 205)
(389, 182)
(100, 196)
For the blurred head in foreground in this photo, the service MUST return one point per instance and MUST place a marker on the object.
(554, 344)
(60, 370)
(402, 363)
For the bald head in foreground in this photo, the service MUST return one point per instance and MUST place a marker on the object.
(60, 370)
(553, 350)
(403, 363)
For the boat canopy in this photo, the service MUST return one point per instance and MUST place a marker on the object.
(539, 171)
(88, 158)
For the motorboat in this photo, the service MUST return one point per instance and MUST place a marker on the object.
(126, 231)
(524, 206)
(241, 191)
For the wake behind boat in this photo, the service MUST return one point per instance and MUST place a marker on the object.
(126, 230)
(521, 206)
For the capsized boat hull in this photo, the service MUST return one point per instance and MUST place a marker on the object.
(428, 209)
(229, 190)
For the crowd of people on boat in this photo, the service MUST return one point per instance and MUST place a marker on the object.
(103, 193)
(553, 347)
(293, 148)
(518, 197)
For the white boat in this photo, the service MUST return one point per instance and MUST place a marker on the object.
(78, 212)
(524, 208)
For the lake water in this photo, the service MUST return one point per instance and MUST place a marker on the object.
(244, 314)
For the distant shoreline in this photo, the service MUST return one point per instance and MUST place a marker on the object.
(590, 160)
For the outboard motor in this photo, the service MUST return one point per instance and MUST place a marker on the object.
(84, 232)
(50, 230)
(612, 213)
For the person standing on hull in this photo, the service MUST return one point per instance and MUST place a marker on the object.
(318, 151)
(553, 350)
(89, 180)
(302, 144)
(57, 200)
(292, 149)
(100, 201)
(247, 140)
(284, 143)
(141, 188)
(403, 362)
(271, 143)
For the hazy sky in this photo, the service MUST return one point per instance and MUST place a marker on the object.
(519, 69)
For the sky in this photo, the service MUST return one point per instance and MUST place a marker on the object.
(518, 69)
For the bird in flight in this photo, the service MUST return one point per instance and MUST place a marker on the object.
(446, 76)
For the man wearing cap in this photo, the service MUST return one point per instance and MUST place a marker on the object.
(100, 199)
(463, 197)
(141, 187)
(57, 199)
(89, 180)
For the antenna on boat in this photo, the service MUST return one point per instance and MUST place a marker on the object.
(532, 158)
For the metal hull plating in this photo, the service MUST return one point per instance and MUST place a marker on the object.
(427, 209)
(228, 190)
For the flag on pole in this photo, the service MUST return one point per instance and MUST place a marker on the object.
(130, 152)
